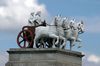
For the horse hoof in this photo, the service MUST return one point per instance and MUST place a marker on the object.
(53, 47)
(60, 47)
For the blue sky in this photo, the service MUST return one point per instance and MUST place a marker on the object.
(87, 8)
(12, 20)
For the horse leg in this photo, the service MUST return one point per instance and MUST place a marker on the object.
(73, 39)
(60, 43)
(57, 37)
(34, 45)
(43, 43)
(50, 42)
(53, 42)
(64, 42)
(72, 42)
(54, 37)
(36, 40)
(79, 40)
(71, 45)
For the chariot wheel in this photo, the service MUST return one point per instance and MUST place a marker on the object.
(25, 39)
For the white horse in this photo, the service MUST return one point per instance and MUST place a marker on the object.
(66, 28)
(55, 31)
(43, 42)
(72, 34)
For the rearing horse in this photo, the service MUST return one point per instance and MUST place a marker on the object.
(72, 34)
(55, 31)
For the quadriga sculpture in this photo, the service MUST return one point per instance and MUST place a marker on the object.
(39, 34)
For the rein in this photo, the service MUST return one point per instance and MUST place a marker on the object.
(51, 25)
(55, 25)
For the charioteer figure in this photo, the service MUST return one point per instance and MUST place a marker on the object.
(36, 19)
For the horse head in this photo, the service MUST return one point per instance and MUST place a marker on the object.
(73, 24)
(80, 27)
(57, 20)
(65, 23)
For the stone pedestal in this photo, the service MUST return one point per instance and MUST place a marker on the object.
(43, 57)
